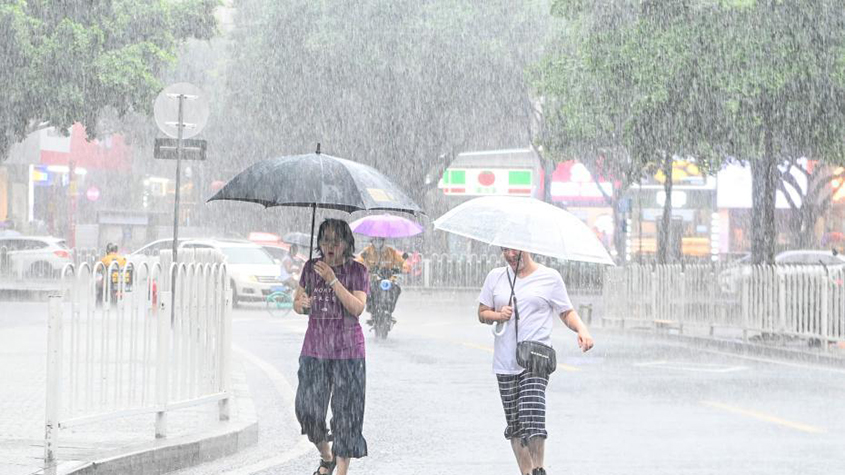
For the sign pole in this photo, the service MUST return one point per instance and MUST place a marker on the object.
(179, 127)
(187, 123)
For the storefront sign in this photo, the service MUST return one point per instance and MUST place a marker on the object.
(489, 181)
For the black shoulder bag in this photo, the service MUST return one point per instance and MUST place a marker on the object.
(534, 356)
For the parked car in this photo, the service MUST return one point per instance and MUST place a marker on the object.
(730, 278)
(253, 273)
(152, 249)
(35, 256)
(810, 258)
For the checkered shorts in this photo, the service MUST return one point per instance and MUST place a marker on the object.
(524, 401)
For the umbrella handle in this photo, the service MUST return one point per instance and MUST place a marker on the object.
(499, 328)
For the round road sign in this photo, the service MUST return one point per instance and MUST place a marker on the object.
(194, 110)
(93, 193)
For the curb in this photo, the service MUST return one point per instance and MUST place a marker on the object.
(23, 295)
(167, 455)
(739, 347)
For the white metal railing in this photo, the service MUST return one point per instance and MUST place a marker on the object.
(803, 301)
(115, 349)
(467, 271)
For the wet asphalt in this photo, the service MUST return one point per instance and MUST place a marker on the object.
(633, 405)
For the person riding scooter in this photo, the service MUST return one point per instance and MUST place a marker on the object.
(112, 256)
(383, 262)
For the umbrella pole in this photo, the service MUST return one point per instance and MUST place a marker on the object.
(313, 218)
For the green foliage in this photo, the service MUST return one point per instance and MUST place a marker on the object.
(626, 76)
(753, 79)
(68, 61)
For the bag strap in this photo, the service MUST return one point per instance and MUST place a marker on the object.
(512, 299)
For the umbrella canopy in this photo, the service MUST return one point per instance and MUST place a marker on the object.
(526, 224)
(385, 226)
(316, 180)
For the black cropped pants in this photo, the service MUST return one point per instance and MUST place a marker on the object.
(341, 383)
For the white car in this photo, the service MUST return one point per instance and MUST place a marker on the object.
(152, 249)
(254, 274)
(730, 278)
(33, 256)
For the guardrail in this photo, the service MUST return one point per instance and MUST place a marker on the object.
(469, 271)
(114, 350)
(796, 301)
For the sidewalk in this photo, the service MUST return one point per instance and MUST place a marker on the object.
(123, 445)
(732, 340)
(12, 289)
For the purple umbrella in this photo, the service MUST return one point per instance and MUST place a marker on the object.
(385, 226)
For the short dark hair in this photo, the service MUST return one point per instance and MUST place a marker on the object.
(342, 230)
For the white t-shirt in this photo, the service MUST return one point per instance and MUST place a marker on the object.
(541, 297)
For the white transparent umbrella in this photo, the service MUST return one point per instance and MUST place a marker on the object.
(526, 224)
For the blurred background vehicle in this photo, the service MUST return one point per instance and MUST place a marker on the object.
(152, 249)
(253, 272)
(33, 256)
(730, 279)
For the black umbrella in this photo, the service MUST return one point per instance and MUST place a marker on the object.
(318, 181)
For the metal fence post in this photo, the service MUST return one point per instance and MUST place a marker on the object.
(746, 302)
(162, 316)
(823, 331)
(781, 289)
(226, 351)
(4, 261)
(54, 377)
(426, 273)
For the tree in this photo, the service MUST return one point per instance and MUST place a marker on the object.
(777, 70)
(758, 80)
(625, 79)
(67, 62)
(393, 84)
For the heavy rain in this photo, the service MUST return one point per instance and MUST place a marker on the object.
(422, 237)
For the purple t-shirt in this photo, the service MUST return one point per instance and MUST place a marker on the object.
(333, 333)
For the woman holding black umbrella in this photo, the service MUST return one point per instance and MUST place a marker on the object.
(333, 292)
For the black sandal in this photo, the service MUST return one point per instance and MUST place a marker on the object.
(329, 465)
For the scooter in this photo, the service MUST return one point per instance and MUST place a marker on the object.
(381, 303)
(115, 289)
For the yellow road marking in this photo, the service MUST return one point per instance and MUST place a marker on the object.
(562, 366)
(566, 367)
(765, 417)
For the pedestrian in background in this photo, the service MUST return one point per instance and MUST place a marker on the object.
(541, 297)
(333, 292)
(288, 267)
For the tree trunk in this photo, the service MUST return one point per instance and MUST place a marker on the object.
(763, 189)
(548, 170)
(618, 228)
(664, 233)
